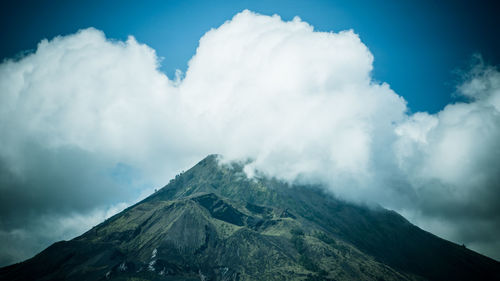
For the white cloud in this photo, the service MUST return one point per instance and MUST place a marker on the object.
(89, 122)
(452, 163)
(289, 97)
(459, 145)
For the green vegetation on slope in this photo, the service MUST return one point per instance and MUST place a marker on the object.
(213, 223)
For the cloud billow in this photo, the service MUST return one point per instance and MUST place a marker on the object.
(90, 124)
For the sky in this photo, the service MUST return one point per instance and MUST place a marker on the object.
(395, 104)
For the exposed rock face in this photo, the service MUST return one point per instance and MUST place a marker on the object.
(212, 223)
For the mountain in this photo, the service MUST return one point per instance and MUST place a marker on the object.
(213, 223)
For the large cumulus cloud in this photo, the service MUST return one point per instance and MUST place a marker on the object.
(80, 123)
(90, 124)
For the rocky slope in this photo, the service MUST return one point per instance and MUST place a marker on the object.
(213, 223)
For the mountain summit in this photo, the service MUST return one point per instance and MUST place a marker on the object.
(213, 223)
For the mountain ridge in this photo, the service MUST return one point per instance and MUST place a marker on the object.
(213, 223)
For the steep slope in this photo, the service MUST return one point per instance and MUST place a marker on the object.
(213, 223)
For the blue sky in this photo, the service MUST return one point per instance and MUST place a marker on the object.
(418, 45)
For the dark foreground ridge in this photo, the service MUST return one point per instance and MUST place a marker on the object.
(213, 223)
